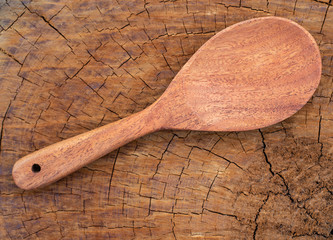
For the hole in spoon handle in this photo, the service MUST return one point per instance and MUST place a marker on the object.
(35, 168)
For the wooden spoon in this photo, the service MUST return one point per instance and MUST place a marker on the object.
(248, 76)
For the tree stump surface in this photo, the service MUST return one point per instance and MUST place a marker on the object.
(70, 66)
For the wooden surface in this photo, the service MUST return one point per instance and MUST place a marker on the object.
(250, 75)
(68, 67)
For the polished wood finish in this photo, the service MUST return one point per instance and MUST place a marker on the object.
(250, 75)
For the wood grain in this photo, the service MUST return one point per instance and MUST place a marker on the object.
(250, 75)
(272, 183)
(63, 158)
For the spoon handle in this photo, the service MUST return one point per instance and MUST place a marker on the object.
(56, 161)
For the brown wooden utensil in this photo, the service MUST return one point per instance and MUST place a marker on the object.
(248, 76)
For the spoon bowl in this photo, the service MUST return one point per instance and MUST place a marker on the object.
(248, 76)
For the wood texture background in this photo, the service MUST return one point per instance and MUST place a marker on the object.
(70, 66)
